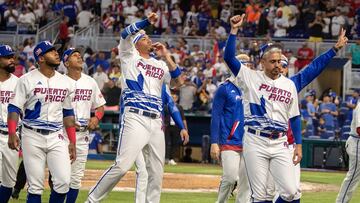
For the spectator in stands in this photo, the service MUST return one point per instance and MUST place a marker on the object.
(107, 22)
(263, 25)
(351, 103)
(102, 61)
(30, 65)
(129, 12)
(291, 62)
(27, 17)
(204, 22)
(162, 21)
(11, 17)
(198, 79)
(322, 128)
(115, 74)
(304, 55)
(29, 47)
(311, 111)
(95, 143)
(187, 93)
(209, 71)
(222, 71)
(219, 29)
(225, 16)
(337, 22)
(354, 53)
(280, 25)
(191, 16)
(22, 55)
(19, 69)
(172, 132)
(253, 12)
(326, 28)
(293, 17)
(328, 111)
(112, 95)
(100, 77)
(84, 17)
(204, 101)
(316, 27)
(64, 32)
(286, 11)
(70, 10)
(177, 14)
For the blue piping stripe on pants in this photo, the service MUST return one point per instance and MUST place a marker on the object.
(118, 152)
(352, 177)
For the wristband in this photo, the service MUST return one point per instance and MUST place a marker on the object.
(335, 49)
(175, 73)
(71, 134)
(11, 126)
(99, 115)
(358, 131)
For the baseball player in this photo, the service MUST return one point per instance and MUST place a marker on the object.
(140, 163)
(43, 97)
(301, 80)
(227, 129)
(270, 101)
(141, 106)
(352, 178)
(8, 157)
(87, 96)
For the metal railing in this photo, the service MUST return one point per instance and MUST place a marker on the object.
(87, 36)
(49, 31)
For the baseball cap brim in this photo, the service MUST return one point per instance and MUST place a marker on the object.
(80, 50)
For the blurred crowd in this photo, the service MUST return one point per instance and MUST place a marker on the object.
(328, 116)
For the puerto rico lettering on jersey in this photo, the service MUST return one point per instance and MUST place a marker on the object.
(82, 95)
(5, 96)
(151, 70)
(276, 94)
(52, 94)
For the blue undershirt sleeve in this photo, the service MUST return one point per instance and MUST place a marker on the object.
(295, 123)
(229, 55)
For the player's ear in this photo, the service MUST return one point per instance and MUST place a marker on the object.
(66, 64)
(41, 59)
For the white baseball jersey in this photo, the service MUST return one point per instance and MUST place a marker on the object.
(268, 104)
(6, 93)
(43, 99)
(137, 91)
(355, 123)
(87, 96)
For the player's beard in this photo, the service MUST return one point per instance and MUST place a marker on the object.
(10, 68)
(52, 65)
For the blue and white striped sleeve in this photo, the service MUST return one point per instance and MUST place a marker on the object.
(173, 110)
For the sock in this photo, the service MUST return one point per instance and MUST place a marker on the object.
(57, 197)
(5, 193)
(72, 195)
(32, 198)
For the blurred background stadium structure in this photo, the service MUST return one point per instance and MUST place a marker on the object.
(195, 31)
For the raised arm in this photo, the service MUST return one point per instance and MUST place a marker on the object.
(307, 75)
(229, 54)
(126, 42)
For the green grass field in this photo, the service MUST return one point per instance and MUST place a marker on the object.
(331, 178)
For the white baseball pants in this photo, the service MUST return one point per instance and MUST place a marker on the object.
(39, 149)
(137, 132)
(352, 178)
(233, 167)
(8, 163)
(78, 166)
(273, 192)
(262, 155)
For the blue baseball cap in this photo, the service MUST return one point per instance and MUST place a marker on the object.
(6, 50)
(266, 47)
(70, 51)
(42, 47)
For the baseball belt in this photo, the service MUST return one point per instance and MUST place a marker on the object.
(273, 135)
(144, 113)
(41, 131)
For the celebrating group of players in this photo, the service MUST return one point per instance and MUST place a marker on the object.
(256, 136)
